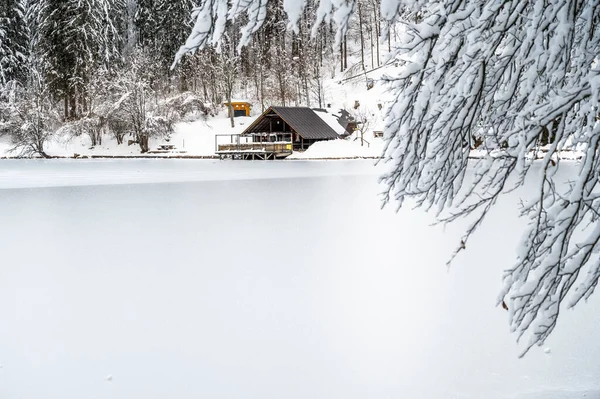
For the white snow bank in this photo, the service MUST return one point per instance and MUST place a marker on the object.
(5, 146)
(341, 149)
(189, 138)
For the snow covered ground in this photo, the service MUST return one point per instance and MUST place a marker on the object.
(198, 139)
(258, 280)
(341, 149)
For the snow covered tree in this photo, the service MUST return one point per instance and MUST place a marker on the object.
(28, 116)
(507, 73)
(14, 41)
(162, 25)
(227, 68)
(73, 38)
(137, 109)
(517, 75)
(103, 109)
(363, 118)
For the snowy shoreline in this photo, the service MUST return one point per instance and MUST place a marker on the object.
(564, 156)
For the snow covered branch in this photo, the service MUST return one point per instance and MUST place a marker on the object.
(516, 77)
(211, 17)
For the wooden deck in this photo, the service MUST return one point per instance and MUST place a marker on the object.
(251, 150)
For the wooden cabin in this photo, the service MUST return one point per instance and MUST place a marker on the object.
(275, 133)
(302, 124)
(240, 108)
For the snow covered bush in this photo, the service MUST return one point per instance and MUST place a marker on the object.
(511, 76)
(104, 110)
(90, 125)
(118, 126)
(28, 117)
(138, 110)
(188, 106)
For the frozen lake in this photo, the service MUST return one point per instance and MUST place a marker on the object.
(257, 280)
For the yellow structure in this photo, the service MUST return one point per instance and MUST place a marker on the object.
(240, 108)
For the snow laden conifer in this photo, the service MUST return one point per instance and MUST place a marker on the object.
(520, 79)
(14, 42)
(73, 39)
(162, 25)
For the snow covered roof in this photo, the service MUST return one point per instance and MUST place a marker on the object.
(303, 120)
(331, 120)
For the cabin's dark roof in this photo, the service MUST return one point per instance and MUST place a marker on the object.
(303, 120)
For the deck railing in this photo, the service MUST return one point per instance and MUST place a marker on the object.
(277, 147)
(257, 143)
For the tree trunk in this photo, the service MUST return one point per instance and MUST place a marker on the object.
(204, 89)
(342, 56)
(66, 104)
(345, 53)
(371, 39)
(257, 81)
(281, 81)
(376, 9)
(143, 142)
(38, 146)
(73, 106)
(231, 112)
(262, 90)
(318, 81)
(362, 40)
(306, 91)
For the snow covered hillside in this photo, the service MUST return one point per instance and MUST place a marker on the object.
(364, 101)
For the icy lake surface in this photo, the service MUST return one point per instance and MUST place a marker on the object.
(258, 280)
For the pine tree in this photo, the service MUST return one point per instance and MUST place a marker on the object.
(162, 25)
(14, 41)
(73, 39)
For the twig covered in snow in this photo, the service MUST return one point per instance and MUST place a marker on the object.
(514, 76)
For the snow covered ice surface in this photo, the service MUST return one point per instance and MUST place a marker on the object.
(70, 172)
(258, 280)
